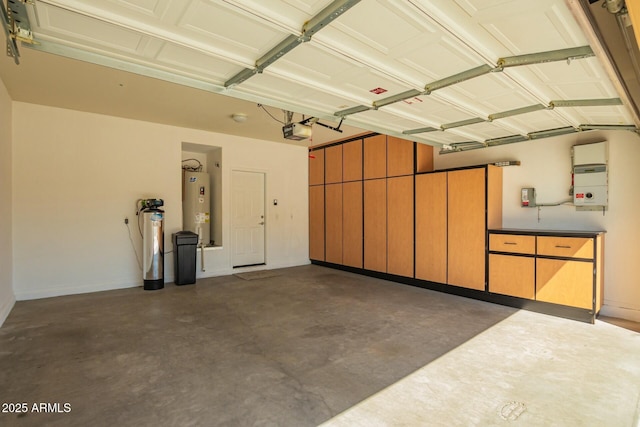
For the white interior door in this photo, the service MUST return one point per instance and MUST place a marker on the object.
(248, 222)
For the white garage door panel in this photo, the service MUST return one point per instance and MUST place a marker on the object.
(280, 89)
(151, 8)
(199, 63)
(438, 60)
(287, 13)
(378, 117)
(482, 131)
(385, 46)
(444, 138)
(536, 121)
(221, 25)
(487, 94)
(512, 24)
(432, 109)
(60, 23)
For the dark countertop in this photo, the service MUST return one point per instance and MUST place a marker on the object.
(560, 233)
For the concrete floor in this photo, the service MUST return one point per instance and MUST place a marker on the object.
(307, 346)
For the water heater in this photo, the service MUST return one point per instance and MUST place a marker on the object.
(196, 205)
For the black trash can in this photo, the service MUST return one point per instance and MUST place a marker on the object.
(185, 244)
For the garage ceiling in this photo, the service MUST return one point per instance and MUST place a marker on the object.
(456, 74)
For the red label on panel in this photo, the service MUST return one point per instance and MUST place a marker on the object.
(378, 90)
(580, 196)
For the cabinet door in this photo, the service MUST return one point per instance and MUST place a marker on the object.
(431, 227)
(512, 275)
(316, 222)
(375, 225)
(467, 230)
(400, 226)
(352, 161)
(333, 164)
(333, 220)
(399, 156)
(352, 224)
(316, 167)
(565, 282)
(375, 157)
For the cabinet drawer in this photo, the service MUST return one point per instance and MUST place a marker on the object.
(572, 247)
(512, 243)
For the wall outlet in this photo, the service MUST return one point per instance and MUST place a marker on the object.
(126, 220)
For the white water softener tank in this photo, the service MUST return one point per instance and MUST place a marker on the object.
(196, 205)
(152, 244)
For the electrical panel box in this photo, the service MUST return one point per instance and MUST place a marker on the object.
(590, 176)
(590, 186)
(528, 198)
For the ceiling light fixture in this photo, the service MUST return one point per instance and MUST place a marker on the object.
(239, 117)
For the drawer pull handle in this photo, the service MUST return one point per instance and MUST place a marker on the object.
(563, 246)
(510, 243)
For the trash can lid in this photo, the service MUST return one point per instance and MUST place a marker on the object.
(185, 238)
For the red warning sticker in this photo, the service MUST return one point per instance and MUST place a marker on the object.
(579, 195)
(378, 90)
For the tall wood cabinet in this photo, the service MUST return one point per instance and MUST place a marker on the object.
(375, 225)
(400, 226)
(454, 209)
(316, 222)
(352, 224)
(431, 227)
(316, 205)
(333, 223)
(361, 194)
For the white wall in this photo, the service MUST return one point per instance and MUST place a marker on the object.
(546, 165)
(7, 298)
(77, 175)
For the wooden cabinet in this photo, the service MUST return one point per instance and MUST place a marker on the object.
(466, 228)
(333, 164)
(512, 243)
(400, 226)
(375, 225)
(564, 282)
(452, 214)
(399, 157)
(567, 271)
(562, 268)
(316, 222)
(375, 157)
(512, 275)
(316, 167)
(431, 227)
(352, 225)
(376, 205)
(509, 274)
(352, 161)
(333, 223)
(572, 247)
